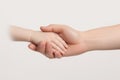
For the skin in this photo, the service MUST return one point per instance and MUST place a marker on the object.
(56, 42)
(73, 38)
(105, 38)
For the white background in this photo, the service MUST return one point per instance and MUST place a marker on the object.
(17, 62)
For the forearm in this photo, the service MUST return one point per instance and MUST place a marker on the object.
(20, 34)
(106, 38)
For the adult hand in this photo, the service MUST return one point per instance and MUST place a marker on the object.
(75, 40)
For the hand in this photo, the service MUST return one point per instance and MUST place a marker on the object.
(57, 42)
(72, 37)
(21, 34)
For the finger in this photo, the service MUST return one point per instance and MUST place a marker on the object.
(52, 28)
(32, 46)
(59, 44)
(41, 47)
(49, 51)
(57, 54)
(57, 48)
(62, 41)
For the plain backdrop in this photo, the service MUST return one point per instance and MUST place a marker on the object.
(17, 62)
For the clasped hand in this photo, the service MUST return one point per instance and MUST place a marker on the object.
(72, 37)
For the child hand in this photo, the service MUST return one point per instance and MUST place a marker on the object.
(21, 34)
(56, 41)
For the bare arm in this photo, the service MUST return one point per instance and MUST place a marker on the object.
(21, 34)
(105, 38)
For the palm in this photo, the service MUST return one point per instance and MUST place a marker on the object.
(72, 37)
(74, 41)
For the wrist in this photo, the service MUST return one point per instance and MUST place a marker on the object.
(32, 36)
(36, 37)
(90, 41)
(20, 34)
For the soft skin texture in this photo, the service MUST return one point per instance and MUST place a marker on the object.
(105, 38)
(73, 38)
(56, 42)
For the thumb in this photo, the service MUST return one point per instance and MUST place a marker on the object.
(45, 29)
(52, 28)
